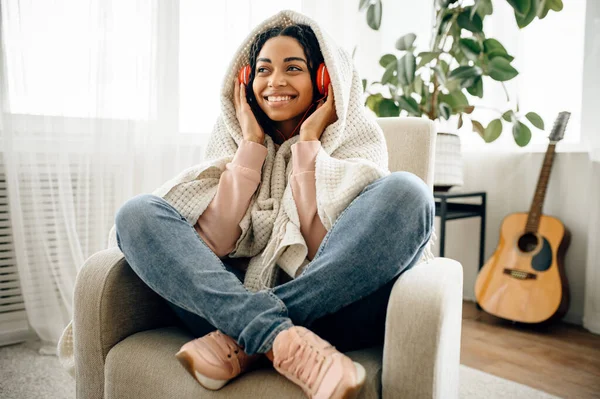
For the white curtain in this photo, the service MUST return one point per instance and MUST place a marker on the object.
(591, 104)
(102, 100)
(90, 118)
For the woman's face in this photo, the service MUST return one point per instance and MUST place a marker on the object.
(282, 84)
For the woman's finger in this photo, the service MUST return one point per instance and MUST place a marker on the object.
(243, 94)
(236, 94)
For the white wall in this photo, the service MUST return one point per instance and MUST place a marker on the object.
(591, 133)
(510, 180)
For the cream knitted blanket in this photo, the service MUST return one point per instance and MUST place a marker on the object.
(353, 154)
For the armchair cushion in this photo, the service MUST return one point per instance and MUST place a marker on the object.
(151, 354)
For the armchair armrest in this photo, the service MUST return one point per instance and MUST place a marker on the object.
(110, 304)
(421, 354)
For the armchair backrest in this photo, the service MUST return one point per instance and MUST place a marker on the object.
(411, 145)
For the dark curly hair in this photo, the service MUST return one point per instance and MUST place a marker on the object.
(307, 39)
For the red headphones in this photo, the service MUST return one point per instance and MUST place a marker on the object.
(323, 81)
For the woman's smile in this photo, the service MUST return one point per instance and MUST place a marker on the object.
(279, 101)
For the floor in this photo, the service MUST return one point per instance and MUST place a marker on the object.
(561, 359)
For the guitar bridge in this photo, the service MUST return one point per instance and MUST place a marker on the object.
(520, 274)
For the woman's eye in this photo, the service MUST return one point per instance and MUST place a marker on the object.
(263, 69)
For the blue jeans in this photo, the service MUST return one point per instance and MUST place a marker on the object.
(341, 295)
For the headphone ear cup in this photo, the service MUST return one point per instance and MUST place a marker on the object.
(244, 74)
(323, 79)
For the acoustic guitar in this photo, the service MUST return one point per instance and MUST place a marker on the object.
(525, 280)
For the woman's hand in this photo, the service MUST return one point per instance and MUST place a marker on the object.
(251, 129)
(314, 126)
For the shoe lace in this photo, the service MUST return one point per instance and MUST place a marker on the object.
(302, 364)
(226, 344)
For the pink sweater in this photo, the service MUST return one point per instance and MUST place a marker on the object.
(219, 224)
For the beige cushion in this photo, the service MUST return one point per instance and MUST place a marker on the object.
(144, 366)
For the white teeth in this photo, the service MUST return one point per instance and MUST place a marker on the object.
(278, 98)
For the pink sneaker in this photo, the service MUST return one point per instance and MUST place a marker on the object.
(214, 359)
(316, 366)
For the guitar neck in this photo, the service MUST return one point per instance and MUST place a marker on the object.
(535, 212)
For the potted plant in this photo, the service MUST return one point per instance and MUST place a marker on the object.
(434, 83)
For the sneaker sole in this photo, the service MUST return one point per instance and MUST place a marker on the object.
(186, 361)
(361, 376)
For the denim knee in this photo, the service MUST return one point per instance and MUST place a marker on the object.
(411, 192)
(134, 214)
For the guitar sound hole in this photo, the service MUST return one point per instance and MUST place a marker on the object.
(528, 242)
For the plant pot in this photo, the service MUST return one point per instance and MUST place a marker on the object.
(448, 170)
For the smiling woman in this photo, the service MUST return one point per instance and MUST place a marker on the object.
(284, 63)
(282, 86)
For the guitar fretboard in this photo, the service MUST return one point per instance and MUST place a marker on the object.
(535, 212)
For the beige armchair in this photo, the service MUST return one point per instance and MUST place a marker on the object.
(125, 336)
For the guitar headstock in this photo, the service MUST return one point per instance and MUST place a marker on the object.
(560, 124)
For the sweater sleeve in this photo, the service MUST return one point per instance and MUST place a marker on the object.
(304, 190)
(219, 224)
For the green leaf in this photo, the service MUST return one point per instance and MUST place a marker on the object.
(406, 69)
(453, 85)
(410, 105)
(446, 19)
(363, 4)
(500, 69)
(469, 109)
(456, 100)
(476, 89)
(385, 60)
(498, 53)
(483, 8)
(444, 110)
(388, 73)
(406, 42)
(521, 134)
(509, 116)
(492, 131)
(470, 47)
(524, 20)
(373, 102)
(426, 57)
(439, 72)
(388, 108)
(535, 120)
(521, 6)
(465, 21)
(478, 128)
(374, 15)
(418, 85)
(555, 5)
(364, 84)
(445, 67)
(493, 46)
(465, 72)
